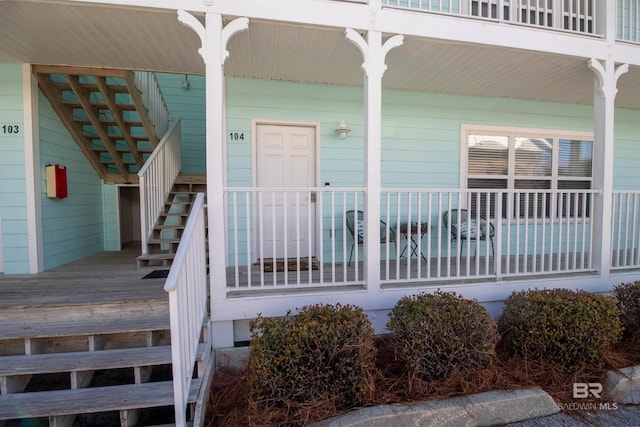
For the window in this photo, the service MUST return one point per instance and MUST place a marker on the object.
(529, 162)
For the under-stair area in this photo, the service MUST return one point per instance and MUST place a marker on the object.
(89, 344)
(165, 237)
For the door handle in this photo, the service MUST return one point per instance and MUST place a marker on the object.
(313, 197)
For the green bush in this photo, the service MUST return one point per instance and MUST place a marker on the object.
(437, 334)
(628, 295)
(324, 351)
(571, 329)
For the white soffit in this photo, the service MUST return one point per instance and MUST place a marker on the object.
(86, 34)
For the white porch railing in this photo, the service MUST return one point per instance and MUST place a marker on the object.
(305, 245)
(576, 15)
(156, 179)
(508, 233)
(187, 288)
(625, 233)
(154, 101)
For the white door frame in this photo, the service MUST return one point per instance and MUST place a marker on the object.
(254, 176)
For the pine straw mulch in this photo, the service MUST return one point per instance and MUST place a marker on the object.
(229, 404)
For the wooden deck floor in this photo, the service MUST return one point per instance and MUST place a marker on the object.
(105, 277)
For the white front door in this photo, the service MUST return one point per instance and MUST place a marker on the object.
(286, 158)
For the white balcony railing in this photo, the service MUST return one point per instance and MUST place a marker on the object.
(187, 288)
(156, 179)
(625, 233)
(311, 241)
(628, 20)
(575, 15)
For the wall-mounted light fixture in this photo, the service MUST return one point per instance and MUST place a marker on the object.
(185, 83)
(342, 130)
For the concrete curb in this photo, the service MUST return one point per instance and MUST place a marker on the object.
(623, 386)
(482, 409)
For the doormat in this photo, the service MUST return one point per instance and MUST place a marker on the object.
(292, 264)
(157, 274)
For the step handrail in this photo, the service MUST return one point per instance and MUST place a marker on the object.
(187, 288)
(153, 100)
(156, 178)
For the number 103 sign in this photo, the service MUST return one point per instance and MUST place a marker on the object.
(10, 129)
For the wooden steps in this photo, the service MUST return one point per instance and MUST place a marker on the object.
(67, 358)
(165, 237)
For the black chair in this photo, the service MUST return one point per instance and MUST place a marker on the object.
(353, 223)
(470, 228)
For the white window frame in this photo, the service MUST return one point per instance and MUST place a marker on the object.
(511, 132)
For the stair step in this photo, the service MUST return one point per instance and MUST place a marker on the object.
(84, 360)
(90, 360)
(98, 326)
(90, 400)
(166, 240)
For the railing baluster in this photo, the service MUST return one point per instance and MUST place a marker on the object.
(247, 201)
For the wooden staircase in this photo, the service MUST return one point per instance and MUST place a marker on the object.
(65, 362)
(104, 112)
(164, 241)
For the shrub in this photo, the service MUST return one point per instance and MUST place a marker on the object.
(322, 352)
(437, 334)
(569, 328)
(628, 295)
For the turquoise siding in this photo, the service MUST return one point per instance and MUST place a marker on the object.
(189, 104)
(626, 173)
(13, 202)
(72, 228)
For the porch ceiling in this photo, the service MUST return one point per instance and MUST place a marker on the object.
(131, 38)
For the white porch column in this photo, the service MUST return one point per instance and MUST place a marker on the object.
(373, 52)
(214, 38)
(605, 91)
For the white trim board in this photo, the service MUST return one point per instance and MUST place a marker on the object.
(32, 170)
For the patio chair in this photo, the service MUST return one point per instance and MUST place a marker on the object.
(352, 222)
(468, 230)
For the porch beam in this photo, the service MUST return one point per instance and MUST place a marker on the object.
(373, 52)
(605, 90)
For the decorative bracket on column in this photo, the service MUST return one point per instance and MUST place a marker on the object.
(233, 27)
(607, 88)
(373, 58)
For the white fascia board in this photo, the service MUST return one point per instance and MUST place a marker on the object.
(191, 5)
(626, 53)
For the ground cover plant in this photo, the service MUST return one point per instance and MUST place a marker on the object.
(232, 402)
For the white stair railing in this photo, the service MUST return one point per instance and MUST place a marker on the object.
(187, 288)
(147, 84)
(156, 178)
